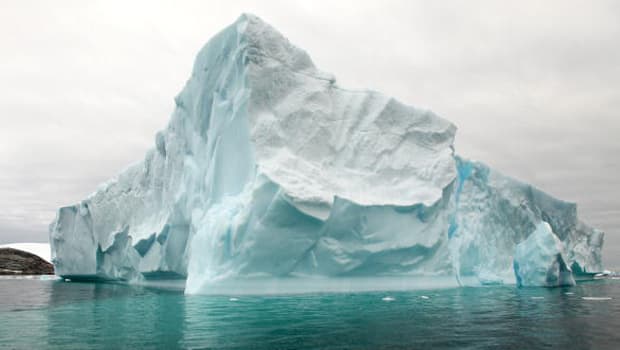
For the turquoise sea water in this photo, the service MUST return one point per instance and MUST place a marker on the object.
(39, 314)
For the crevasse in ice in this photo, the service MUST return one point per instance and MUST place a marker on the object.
(268, 168)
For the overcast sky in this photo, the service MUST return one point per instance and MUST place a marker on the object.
(534, 87)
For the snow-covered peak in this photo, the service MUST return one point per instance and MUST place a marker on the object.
(265, 41)
(317, 140)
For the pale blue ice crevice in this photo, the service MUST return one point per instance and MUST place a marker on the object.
(464, 170)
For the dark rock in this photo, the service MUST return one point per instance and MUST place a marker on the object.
(19, 262)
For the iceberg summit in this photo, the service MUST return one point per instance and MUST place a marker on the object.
(270, 170)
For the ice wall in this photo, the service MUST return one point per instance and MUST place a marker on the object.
(492, 213)
(268, 168)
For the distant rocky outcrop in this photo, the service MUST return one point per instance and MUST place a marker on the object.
(19, 262)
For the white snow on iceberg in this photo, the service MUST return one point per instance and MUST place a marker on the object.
(269, 169)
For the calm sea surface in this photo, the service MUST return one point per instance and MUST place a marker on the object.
(40, 314)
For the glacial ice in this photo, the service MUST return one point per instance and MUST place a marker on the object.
(540, 260)
(269, 169)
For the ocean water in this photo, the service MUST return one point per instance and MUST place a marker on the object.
(41, 314)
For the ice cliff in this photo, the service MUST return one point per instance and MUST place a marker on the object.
(268, 168)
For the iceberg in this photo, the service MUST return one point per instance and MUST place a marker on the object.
(269, 169)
